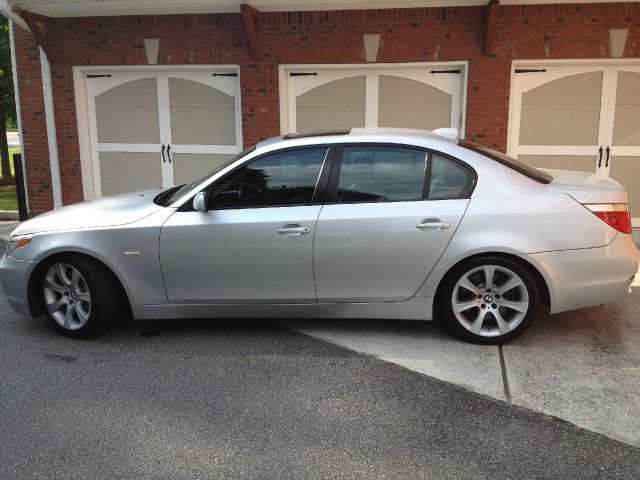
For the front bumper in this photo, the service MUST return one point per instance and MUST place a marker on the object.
(587, 277)
(14, 278)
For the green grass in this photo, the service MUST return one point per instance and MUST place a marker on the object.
(8, 199)
(12, 150)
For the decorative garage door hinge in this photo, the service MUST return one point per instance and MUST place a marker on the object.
(530, 70)
(303, 74)
(232, 74)
(445, 71)
(91, 75)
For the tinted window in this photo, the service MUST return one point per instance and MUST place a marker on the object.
(448, 179)
(282, 178)
(381, 174)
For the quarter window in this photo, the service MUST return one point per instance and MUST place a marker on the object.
(381, 174)
(280, 179)
(448, 179)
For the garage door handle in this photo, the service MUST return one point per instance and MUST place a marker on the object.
(432, 224)
(164, 160)
(293, 230)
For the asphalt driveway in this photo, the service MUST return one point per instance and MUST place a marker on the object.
(248, 399)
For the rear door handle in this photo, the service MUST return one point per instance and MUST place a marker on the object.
(293, 230)
(432, 224)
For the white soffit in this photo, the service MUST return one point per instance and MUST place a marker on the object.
(80, 8)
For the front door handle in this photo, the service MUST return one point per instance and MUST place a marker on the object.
(293, 230)
(432, 224)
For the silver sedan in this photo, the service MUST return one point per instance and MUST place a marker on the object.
(359, 224)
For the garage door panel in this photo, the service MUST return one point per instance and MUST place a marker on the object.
(336, 104)
(562, 112)
(189, 166)
(201, 114)
(128, 113)
(122, 172)
(408, 103)
(626, 126)
(583, 163)
(156, 127)
(626, 170)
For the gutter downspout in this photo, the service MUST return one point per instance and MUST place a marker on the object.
(50, 118)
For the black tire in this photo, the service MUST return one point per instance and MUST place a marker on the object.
(106, 296)
(521, 320)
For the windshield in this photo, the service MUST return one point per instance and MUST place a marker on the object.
(169, 196)
(527, 170)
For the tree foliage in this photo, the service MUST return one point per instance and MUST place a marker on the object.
(6, 74)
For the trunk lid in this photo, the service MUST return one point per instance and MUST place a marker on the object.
(587, 187)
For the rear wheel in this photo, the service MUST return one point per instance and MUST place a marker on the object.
(80, 296)
(488, 300)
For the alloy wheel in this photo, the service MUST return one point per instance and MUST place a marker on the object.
(490, 300)
(66, 295)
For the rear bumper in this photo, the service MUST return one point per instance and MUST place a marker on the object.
(590, 276)
(14, 275)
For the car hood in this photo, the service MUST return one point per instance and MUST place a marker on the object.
(102, 212)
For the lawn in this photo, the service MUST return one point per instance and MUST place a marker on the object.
(12, 150)
(8, 199)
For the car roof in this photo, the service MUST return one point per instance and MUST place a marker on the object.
(400, 135)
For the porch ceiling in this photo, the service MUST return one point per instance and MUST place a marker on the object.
(81, 8)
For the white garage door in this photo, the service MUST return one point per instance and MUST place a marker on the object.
(153, 128)
(580, 117)
(427, 97)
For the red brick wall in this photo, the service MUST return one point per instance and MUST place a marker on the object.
(34, 129)
(407, 35)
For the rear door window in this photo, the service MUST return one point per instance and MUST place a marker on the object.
(448, 179)
(370, 173)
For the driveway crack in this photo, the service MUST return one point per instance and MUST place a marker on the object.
(503, 369)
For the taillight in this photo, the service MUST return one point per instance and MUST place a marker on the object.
(615, 215)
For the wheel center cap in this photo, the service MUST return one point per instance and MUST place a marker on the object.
(488, 298)
(72, 294)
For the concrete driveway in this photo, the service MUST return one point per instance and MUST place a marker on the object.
(582, 366)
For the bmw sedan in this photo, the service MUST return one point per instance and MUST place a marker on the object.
(395, 224)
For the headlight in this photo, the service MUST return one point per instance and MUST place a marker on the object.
(17, 242)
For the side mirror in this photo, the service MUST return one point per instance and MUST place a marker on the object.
(199, 202)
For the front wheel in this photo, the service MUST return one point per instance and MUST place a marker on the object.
(488, 300)
(80, 296)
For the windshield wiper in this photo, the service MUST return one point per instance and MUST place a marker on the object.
(162, 197)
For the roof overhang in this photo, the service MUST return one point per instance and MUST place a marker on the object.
(92, 8)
